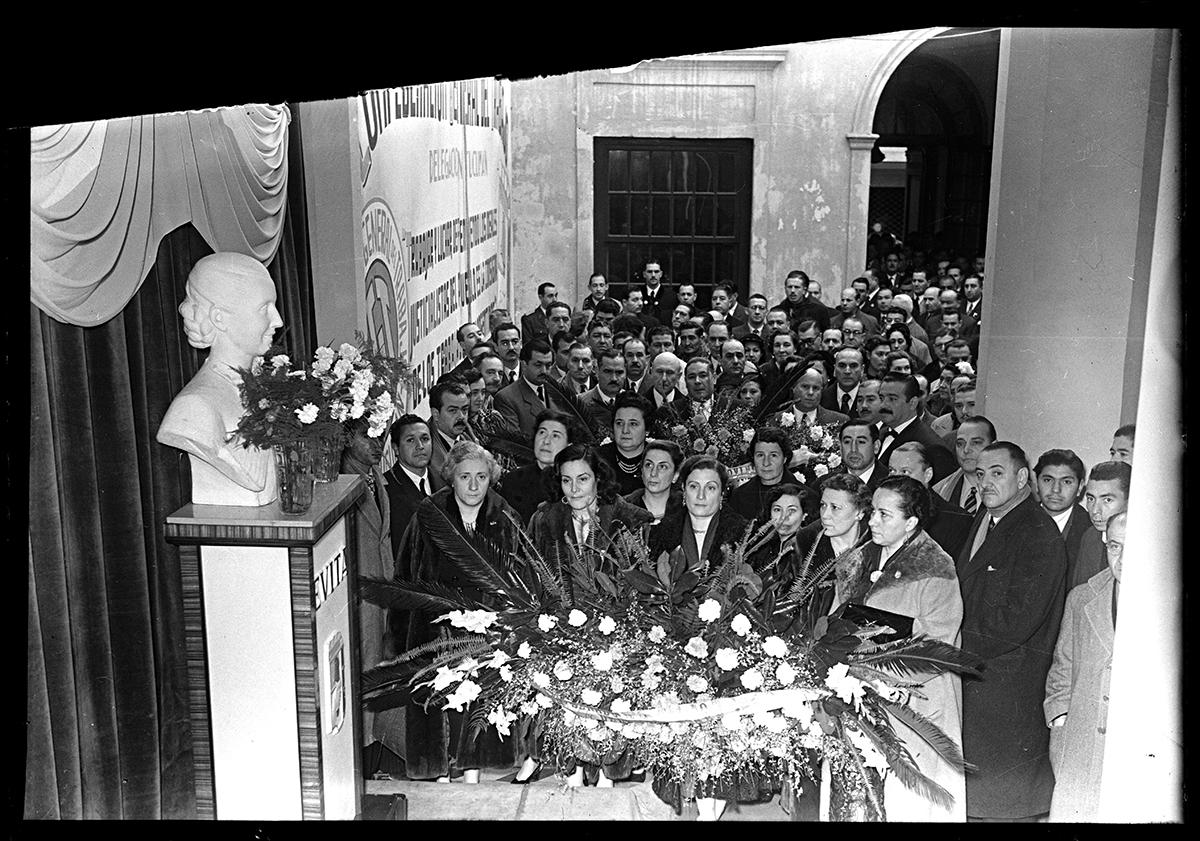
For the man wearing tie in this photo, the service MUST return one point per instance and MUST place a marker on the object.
(901, 397)
(657, 299)
(973, 292)
(410, 480)
(507, 339)
(756, 318)
(520, 402)
(667, 372)
(449, 410)
(636, 380)
(849, 364)
(600, 402)
(961, 487)
(1012, 573)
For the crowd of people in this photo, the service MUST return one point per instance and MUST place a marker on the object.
(560, 424)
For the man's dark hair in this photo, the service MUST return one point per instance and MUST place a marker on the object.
(482, 343)
(784, 310)
(609, 353)
(871, 428)
(959, 343)
(542, 287)
(1062, 458)
(505, 325)
(595, 275)
(629, 400)
(912, 388)
(458, 333)
(1107, 471)
(872, 342)
(772, 435)
(799, 274)
(757, 295)
(1125, 431)
(436, 394)
(398, 425)
(609, 307)
(628, 323)
(558, 305)
(724, 287)
(1015, 453)
(982, 421)
(597, 324)
(469, 375)
(805, 324)
(562, 337)
(660, 330)
(535, 346)
(689, 325)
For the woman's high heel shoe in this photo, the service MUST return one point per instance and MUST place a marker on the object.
(532, 778)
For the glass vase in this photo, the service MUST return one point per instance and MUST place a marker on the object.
(294, 466)
(327, 458)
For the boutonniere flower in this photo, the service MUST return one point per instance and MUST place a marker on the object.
(875, 575)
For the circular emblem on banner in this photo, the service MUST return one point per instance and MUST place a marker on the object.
(386, 281)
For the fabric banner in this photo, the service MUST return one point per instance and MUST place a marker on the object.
(435, 169)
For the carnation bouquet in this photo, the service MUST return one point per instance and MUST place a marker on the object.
(358, 381)
(708, 678)
(725, 434)
(282, 403)
(814, 446)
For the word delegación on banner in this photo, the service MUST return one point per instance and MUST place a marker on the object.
(449, 163)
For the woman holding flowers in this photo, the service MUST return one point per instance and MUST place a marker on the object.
(582, 527)
(902, 570)
(467, 511)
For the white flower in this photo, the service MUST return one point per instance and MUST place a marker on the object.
(546, 622)
(775, 647)
(800, 711)
(499, 658)
(500, 718)
(348, 352)
(965, 368)
(697, 647)
(820, 469)
(524, 650)
(541, 679)
(444, 677)
(787, 419)
(506, 674)
(731, 721)
(650, 680)
(529, 707)
(875, 575)
(665, 701)
(740, 625)
(752, 679)
(341, 368)
(697, 683)
(747, 435)
(468, 665)
(654, 663)
(872, 758)
(835, 461)
(666, 735)
(710, 609)
(847, 687)
(616, 683)
(308, 414)
(357, 410)
(576, 618)
(657, 634)
(785, 674)
(699, 738)
(602, 662)
(607, 625)
(591, 696)
(256, 366)
(895, 694)
(466, 692)
(631, 730)
(568, 717)
(620, 705)
(598, 735)
(280, 361)
(563, 670)
(543, 701)
(727, 658)
(475, 621)
(607, 440)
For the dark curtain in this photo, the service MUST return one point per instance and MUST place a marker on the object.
(108, 733)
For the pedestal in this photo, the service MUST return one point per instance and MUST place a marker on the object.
(271, 625)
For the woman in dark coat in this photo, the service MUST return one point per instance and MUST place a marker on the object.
(704, 524)
(844, 508)
(437, 742)
(588, 518)
(770, 453)
(525, 487)
(659, 494)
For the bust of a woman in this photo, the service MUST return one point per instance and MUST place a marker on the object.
(229, 308)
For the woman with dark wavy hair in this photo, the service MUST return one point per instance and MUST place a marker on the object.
(903, 570)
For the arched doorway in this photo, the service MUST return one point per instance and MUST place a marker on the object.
(931, 164)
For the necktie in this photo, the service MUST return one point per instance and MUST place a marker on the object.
(421, 487)
(542, 395)
(845, 403)
(972, 504)
(991, 524)
(512, 376)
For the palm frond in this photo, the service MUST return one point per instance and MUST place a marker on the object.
(871, 673)
(920, 655)
(571, 403)
(401, 594)
(464, 553)
(903, 766)
(509, 443)
(530, 554)
(779, 396)
(937, 738)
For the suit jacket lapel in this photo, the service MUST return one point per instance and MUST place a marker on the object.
(1098, 610)
(967, 565)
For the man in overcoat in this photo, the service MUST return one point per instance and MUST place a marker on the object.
(1012, 574)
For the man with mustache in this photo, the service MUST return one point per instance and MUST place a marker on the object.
(449, 405)
(901, 395)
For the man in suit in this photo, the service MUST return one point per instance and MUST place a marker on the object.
(892, 277)
(962, 486)
(807, 399)
(637, 378)
(507, 339)
(600, 402)
(558, 319)
(1106, 494)
(634, 304)
(948, 524)
(722, 302)
(657, 299)
(901, 395)
(737, 310)
(410, 480)
(449, 411)
(849, 364)
(560, 344)
(973, 293)
(756, 318)
(849, 308)
(534, 325)
(1012, 573)
(520, 402)
(859, 441)
(468, 336)
(597, 292)
(581, 373)
(666, 371)
(660, 339)
(815, 308)
(1059, 482)
(699, 379)
(732, 362)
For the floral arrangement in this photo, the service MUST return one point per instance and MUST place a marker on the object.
(813, 445)
(725, 434)
(285, 402)
(705, 677)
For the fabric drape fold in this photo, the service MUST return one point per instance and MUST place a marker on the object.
(104, 194)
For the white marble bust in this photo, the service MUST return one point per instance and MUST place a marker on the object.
(229, 308)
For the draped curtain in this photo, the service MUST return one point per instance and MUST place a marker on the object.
(108, 733)
(103, 195)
